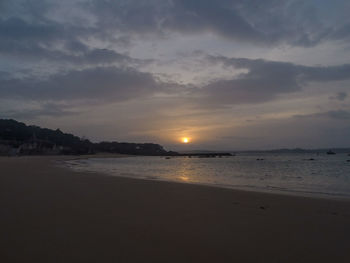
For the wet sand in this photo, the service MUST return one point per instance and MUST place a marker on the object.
(52, 214)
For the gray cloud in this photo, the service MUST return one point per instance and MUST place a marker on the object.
(20, 38)
(332, 114)
(17, 28)
(340, 96)
(47, 109)
(265, 80)
(101, 83)
(219, 17)
(295, 22)
(28, 30)
(97, 56)
(339, 114)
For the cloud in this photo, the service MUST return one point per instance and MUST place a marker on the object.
(100, 84)
(265, 80)
(261, 82)
(29, 31)
(332, 114)
(47, 109)
(296, 22)
(220, 17)
(339, 114)
(52, 42)
(36, 30)
(341, 96)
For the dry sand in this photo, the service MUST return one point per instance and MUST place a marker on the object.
(51, 214)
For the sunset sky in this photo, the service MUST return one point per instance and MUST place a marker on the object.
(227, 75)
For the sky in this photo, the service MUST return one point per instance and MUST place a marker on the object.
(227, 74)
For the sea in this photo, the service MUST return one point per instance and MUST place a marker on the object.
(306, 174)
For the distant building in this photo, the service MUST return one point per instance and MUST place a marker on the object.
(35, 146)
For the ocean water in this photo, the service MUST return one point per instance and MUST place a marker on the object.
(325, 175)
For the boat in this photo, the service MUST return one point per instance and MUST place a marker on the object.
(330, 152)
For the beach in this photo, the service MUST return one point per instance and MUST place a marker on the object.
(52, 214)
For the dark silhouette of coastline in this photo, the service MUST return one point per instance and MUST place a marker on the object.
(17, 138)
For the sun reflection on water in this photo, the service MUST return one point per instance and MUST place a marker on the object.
(185, 170)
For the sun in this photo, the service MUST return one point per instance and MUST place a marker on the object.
(185, 140)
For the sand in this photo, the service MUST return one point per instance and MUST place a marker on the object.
(51, 214)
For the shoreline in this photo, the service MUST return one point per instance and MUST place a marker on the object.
(53, 214)
(287, 192)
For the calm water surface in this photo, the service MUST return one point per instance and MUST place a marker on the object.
(326, 175)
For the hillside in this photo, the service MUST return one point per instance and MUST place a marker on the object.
(17, 138)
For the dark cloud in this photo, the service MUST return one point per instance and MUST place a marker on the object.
(17, 28)
(19, 37)
(219, 17)
(296, 22)
(50, 42)
(28, 30)
(101, 83)
(47, 109)
(341, 96)
(339, 114)
(332, 114)
(98, 56)
(341, 32)
(265, 80)
(325, 74)
(132, 16)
